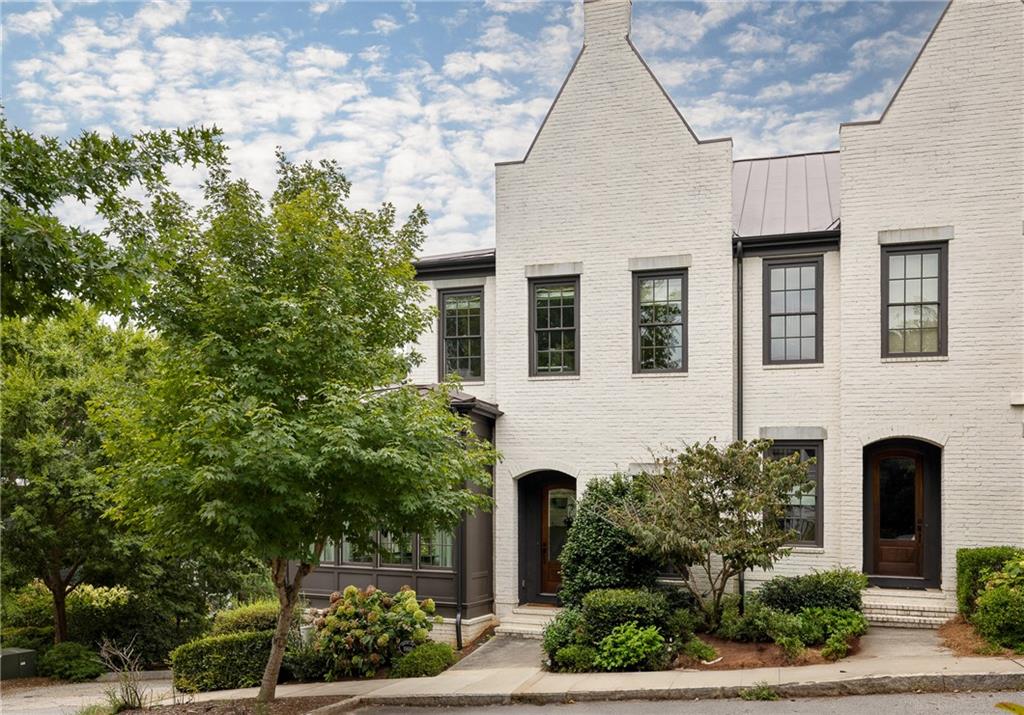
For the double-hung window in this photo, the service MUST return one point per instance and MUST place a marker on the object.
(554, 326)
(914, 300)
(792, 304)
(659, 322)
(804, 510)
(462, 333)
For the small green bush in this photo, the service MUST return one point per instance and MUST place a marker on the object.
(999, 616)
(305, 659)
(597, 554)
(424, 661)
(973, 566)
(71, 661)
(606, 609)
(733, 626)
(575, 659)
(839, 588)
(364, 630)
(760, 690)
(699, 650)
(256, 616)
(232, 660)
(37, 638)
(564, 630)
(681, 624)
(632, 647)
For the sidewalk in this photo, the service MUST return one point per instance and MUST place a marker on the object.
(508, 671)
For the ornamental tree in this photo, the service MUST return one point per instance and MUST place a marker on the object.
(277, 418)
(55, 495)
(46, 262)
(713, 513)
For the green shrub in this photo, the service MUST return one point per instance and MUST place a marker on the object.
(819, 625)
(999, 616)
(840, 588)
(699, 650)
(632, 647)
(1010, 575)
(37, 638)
(424, 661)
(760, 690)
(597, 554)
(973, 566)
(733, 626)
(256, 616)
(363, 630)
(607, 608)
(232, 660)
(680, 625)
(305, 659)
(836, 647)
(71, 661)
(564, 630)
(575, 659)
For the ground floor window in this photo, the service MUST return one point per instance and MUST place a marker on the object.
(436, 549)
(433, 550)
(803, 513)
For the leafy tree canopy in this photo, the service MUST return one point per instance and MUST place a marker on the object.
(273, 422)
(713, 513)
(45, 262)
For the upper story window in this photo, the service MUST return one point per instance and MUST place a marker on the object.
(914, 300)
(792, 303)
(554, 326)
(462, 333)
(659, 322)
(804, 512)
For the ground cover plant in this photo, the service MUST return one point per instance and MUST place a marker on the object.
(424, 661)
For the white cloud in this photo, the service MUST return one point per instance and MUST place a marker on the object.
(669, 28)
(819, 83)
(38, 21)
(385, 25)
(679, 73)
(512, 5)
(749, 39)
(892, 48)
(318, 56)
(870, 106)
(805, 52)
(319, 8)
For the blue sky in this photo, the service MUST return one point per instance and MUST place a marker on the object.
(417, 100)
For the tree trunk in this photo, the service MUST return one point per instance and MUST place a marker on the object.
(60, 614)
(287, 596)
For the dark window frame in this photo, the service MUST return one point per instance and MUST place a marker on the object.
(377, 563)
(943, 295)
(442, 294)
(768, 264)
(430, 567)
(532, 285)
(795, 445)
(341, 561)
(685, 344)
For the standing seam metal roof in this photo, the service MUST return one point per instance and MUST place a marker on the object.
(785, 194)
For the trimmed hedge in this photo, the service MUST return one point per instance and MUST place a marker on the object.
(839, 588)
(606, 609)
(565, 630)
(972, 566)
(232, 660)
(575, 658)
(598, 555)
(256, 616)
(37, 638)
(424, 661)
(72, 662)
(999, 616)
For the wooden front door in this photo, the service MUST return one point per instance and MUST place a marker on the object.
(898, 500)
(558, 502)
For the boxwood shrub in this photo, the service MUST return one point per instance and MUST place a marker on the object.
(839, 588)
(424, 661)
(999, 616)
(597, 554)
(73, 662)
(575, 658)
(232, 660)
(564, 630)
(972, 566)
(256, 616)
(606, 609)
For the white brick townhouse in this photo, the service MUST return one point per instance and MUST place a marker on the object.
(865, 306)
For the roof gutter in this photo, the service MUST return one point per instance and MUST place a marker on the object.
(811, 241)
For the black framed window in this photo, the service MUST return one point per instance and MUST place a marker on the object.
(437, 549)
(914, 289)
(554, 326)
(792, 305)
(328, 555)
(659, 322)
(396, 549)
(461, 334)
(352, 554)
(804, 511)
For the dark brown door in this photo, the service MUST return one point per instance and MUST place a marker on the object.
(558, 501)
(898, 496)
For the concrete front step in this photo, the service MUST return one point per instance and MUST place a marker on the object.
(891, 621)
(908, 615)
(526, 622)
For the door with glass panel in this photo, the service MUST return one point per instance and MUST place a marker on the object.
(557, 508)
(898, 500)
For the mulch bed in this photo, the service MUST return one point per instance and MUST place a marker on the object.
(960, 637)
(281, 706)
(737, 656)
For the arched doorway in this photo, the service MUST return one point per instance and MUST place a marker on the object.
(547, 502)
(902, 530)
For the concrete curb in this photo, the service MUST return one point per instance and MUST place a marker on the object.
(870, 685)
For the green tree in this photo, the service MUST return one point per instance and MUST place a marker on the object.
(54, 495)
(47, 263)
(277, 419)
(713, 513)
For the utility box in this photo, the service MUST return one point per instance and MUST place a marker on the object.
(17, 663)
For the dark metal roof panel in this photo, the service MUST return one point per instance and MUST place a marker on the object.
(786, 194)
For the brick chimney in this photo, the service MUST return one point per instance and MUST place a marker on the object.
(605, 20)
